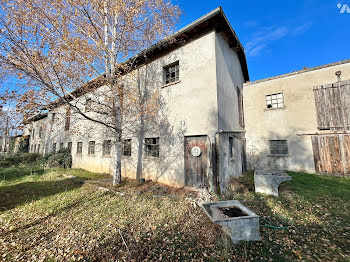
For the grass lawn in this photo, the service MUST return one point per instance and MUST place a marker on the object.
(47, 216)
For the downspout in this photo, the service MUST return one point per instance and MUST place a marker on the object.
(214, 179)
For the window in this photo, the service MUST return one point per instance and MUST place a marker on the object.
(31, 148)
(240, 107)
(67, 123)
(54, 147)
(40, 132)
(33, 135)
(278, 147)
(230, 147)
(274, 101)
(79, 147)
(171, 73)
(88, 104)
(107, 145)
(69, 147)
(34, 148)
(91, 149)
(126, 147)
(152, 147)
(38, 148)
(61, 146)
(53, 117)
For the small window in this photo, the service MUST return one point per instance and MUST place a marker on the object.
(38, 148)
(40, 132)
(107, 145)
(278, 147)
(69, 147)
(91, 149)
(275, 101)
(79, 147)
(54, 147)
(127, 147)
(61, 146)
(31, 148)
(33, 133)
(240, 107)
(230, 147)
(171, 73)
(53, 117)
(88, 104)
(152, 147)
(67, 123)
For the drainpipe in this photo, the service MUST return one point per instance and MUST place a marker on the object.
(214, 167)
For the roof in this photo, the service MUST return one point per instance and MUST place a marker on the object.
(214, 19)
(298, 72)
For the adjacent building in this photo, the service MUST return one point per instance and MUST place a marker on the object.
(300, 121)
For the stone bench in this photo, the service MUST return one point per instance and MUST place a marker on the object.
(267, 181)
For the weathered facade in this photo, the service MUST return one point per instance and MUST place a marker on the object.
(205, 95)
(300, 121)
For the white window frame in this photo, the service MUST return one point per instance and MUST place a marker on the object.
(274, 101)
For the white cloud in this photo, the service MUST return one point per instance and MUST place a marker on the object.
(263, 38)
(301, 29)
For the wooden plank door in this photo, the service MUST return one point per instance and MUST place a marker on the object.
(327, 154)
(196, 165)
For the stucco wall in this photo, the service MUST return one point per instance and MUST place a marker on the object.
(298, 117)
(229, 78)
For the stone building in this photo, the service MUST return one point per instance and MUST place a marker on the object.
(300, 121)
(202, 100)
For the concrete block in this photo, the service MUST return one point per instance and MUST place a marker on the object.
(237, 221)
(267, 181)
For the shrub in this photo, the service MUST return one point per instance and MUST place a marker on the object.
(15, 160)
(62, 158)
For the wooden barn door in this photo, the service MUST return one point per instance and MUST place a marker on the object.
(196, 159)
(331, 154)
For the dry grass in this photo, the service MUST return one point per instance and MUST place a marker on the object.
(47, 217)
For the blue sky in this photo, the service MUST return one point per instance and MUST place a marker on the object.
(281, 36)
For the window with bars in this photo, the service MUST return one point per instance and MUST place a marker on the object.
(152, 147)
(88, 104)
(54, 147)
(91, 149)
(107, 145)
(275, 101)
(171, 73)
(79, 147)
(67, 123)
(278, 147)
(126, 147)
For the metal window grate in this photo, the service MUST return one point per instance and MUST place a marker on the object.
(127, 147)
(274, 101)
(91, 149)
(278, 147)
(171, 73)
(79, 147)
(107, 145)
(152, 147)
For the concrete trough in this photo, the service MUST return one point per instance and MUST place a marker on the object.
(268, 181)
(237, 221)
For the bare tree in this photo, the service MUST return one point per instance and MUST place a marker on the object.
(64, 49)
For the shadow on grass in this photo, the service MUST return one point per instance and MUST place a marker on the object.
(18, 194)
